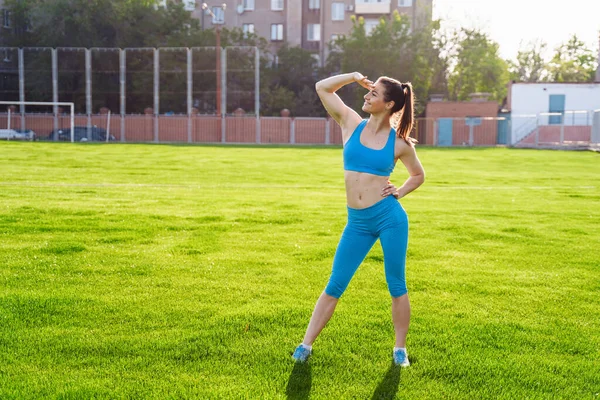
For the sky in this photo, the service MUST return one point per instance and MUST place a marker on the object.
(510, 22)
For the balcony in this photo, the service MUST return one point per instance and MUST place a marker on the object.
(372, 8)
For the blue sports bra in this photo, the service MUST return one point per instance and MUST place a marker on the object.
(359, 158)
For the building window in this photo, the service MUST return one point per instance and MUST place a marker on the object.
(248, 29)
(276, 32)
(219, 17)
(6, 18)
(189, 5)
(248, 5)
(313, 32)
(370, 25)
(373, 1)
(6, 56)
(277, 5)
(404, 3)
(314, 4)
(335, 37)
(337, 11)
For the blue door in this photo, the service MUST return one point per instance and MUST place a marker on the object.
(557, 105)
(444, 132)
(503, 125)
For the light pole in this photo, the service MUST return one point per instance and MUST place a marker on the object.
(217, 24)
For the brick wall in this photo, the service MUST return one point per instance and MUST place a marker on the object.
(484, 134)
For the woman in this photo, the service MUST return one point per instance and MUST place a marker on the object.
(371, 149)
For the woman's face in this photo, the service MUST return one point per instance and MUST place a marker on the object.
(374, 101)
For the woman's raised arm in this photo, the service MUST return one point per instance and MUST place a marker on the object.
(339, 111)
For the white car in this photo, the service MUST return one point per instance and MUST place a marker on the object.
(17, 134)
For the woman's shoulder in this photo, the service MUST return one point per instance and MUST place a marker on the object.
(403, 146)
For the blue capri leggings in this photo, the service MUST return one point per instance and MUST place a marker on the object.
(385, 220)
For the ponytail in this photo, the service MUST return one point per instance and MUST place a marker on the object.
(403, 111)
(406, 120)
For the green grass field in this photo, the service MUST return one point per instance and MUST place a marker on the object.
(157, 271)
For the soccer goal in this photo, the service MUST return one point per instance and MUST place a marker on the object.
(10, 116)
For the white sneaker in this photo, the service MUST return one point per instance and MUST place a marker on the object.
(401, 358)
(301, 354)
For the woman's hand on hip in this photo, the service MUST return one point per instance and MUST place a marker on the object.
(390, 190)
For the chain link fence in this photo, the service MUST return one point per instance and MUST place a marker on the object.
(159, 81)
(211, 95)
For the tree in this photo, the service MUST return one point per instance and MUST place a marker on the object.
(429, 67)
(295, 69)
(129, 24)
(530, 65)
(390, 49)
(382, 52)
(308, 103)
(277, 99)
(478, 67)
(573, 62)
(101, 23)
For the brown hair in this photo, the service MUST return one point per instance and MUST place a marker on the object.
(402, 112)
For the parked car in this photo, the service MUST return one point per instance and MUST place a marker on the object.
(17, 134)
(80, 134)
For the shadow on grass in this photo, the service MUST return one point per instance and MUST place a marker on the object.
(388, 387)
(300, 382)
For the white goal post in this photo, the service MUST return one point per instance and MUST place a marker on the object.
(44, 103)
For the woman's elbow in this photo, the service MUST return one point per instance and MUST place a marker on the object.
(318, 86)
(420, 178)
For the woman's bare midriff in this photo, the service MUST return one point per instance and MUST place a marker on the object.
(363, 189)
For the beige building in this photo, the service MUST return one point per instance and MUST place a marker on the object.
(311, 24)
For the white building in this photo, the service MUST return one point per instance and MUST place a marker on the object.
(554, 112)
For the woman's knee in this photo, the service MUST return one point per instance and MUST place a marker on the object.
(398, 290)
(396, 279)
(335, 289)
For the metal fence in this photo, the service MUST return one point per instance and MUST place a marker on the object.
(575, 129)
(239, 128)
(160, 81)
(211, 95)
(570, 128)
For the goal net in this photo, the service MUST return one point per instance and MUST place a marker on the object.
(39, 120)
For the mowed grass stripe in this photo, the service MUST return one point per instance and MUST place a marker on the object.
(191, 271)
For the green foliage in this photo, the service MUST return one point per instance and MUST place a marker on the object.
(530, 65)
(391, 49)
(382, 52)
(296, 72)
(478, 67)
(309, 104)
(295, 69)
(573, 62)
(102, 23)
(276, 99)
